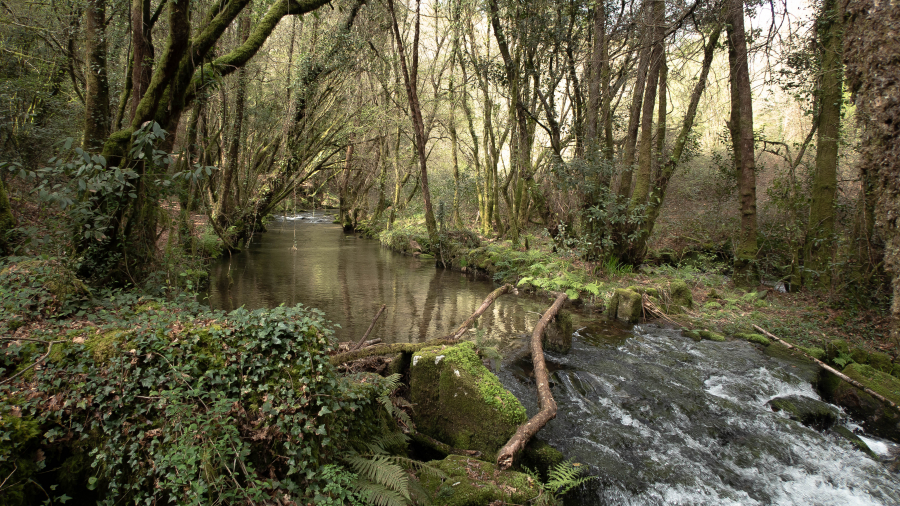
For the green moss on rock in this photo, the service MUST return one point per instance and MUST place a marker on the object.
(459, 402)
(881, 361)
(681, 295)
(809, 412)
(859, 355)
(712, 336)
(814, 352)
(875, 416)
(835, 348)
(848, 434)
(712, 306)
(625, 305)
(693, 334)
(754, 338)
(472, 482)
(540, 456)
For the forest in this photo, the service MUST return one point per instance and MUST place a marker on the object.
(592, 145)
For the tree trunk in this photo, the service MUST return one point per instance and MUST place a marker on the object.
(96, 93)
(634, 116)
(830, 97)
(226, 204)
(142, 51)
(410, 79)
(746, 272)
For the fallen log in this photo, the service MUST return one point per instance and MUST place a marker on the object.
(484, 305)
(830, 369)
(369, 330)
(507, 454)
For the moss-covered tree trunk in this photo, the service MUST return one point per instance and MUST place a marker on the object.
(7, 220)
(872, 57)
(634, 114)
(96, 89)
(141, 51)
(746, 271)
(830, 98)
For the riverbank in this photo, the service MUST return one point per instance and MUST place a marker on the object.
(844, 335)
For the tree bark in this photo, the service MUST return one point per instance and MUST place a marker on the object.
(830, 98)
(634, 116)
(517, 442)
(226, 201)
(96, 93)
(746, 272)
(410, 79)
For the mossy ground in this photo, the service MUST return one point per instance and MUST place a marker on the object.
(472, 482)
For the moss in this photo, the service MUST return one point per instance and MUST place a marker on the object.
(895, 372)
(881, 361)
(104, 346)
(859, 355)
(713, 294)
(19, 440)
(148, 306)
(712, 336)
(754, 338)
(681, 295)
(879, 382)
(814, 352)
(712, 306)
(7, 221)
(459, 402)
(474, 483)
(540, 456)
(848, 434)
(809, 412)
(628, 306)
(693, 334)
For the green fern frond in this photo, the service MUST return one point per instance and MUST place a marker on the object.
(380, 470)
(418, 466)
(379, 495)
(563, 477)
(392, 440)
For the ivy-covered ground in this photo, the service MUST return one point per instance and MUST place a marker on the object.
(111, 397)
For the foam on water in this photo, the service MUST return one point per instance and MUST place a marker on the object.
(661, 419)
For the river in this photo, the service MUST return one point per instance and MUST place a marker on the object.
(659, 418)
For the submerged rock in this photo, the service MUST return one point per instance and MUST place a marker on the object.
(459, 402)
(810, 412)
(848, 434)
(472, 482)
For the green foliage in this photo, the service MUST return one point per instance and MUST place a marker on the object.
(561, 478)
(194, 406)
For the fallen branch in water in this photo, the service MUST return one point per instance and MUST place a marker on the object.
(830, 369)
(371, 326)
(517, 442)
(484, 305)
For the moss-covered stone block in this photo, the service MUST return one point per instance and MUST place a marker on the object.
(754, 338)
(472, 482)
(625, 305)
(558, 335)
(881, 361)
(875, 416)
(711, 336)
(459, 402)
(712, 306)
(810, 412)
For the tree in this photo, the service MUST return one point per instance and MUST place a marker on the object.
(829, 97)
(746, 272)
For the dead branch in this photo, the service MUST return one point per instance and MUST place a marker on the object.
(388, 349)
(35, 364)
(371, 326)
(484, 305)
(507, 454)
(830, 369)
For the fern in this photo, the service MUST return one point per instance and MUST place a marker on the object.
(561, 478)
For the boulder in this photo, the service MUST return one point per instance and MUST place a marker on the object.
(625, 305)
(693, 334)
(471, 482)
(875, 416)
(712, 336)
(848, 434)
(754, 338)
(881, 361)
(835, 348)
(459, 402)
(810, 412)
(681, 296)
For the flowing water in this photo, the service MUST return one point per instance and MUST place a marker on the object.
(660, 419)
